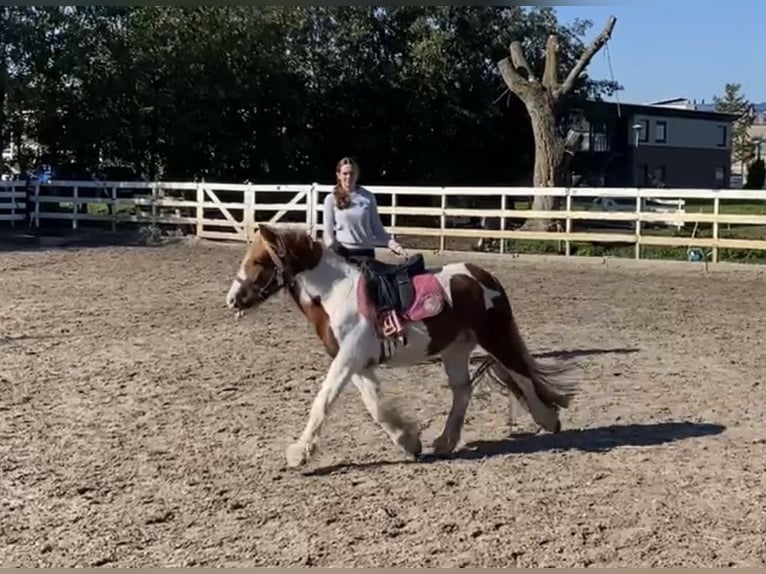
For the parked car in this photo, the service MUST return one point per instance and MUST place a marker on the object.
(648, 205)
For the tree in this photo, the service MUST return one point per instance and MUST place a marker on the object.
(734, 101)
(544, 99)
(270, 93)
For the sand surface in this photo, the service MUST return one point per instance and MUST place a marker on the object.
(141, 425)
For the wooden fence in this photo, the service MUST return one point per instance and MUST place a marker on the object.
(13, 202)
(233, 211)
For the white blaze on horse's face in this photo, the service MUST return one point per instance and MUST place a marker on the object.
(256, 280)
(234, 291)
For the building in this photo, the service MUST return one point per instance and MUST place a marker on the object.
(662, 144)
(756, 131)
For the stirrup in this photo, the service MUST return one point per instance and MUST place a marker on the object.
(391, 325)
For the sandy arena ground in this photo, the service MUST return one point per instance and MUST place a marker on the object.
(141, 425)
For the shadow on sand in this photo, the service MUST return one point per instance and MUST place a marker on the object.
(600, 439)
(575, 353)
(28, 242)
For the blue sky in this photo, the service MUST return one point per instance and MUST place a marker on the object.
(679, 49)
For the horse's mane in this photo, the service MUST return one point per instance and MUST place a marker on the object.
(300, 243)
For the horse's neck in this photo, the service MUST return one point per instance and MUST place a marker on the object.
(324, 280)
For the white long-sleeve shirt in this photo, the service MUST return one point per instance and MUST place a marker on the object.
(356, 227)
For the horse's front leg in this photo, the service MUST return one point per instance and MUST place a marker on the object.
(344, 365)
(405, 434)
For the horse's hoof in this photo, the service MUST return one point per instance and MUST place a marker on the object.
(443, 447)
(411, 444)
(296, 455)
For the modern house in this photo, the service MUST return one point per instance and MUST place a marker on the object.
(652, 145)
(756, 132)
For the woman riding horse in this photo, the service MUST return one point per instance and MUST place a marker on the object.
(352, 225)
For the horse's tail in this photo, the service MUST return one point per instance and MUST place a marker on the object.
(542, 388)
(553, 381)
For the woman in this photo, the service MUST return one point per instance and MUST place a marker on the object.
(352, 225)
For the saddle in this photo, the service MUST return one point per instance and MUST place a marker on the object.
(392, 294)
(389, 285)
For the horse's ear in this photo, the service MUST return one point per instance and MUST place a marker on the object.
(273, 238)
(267, 233)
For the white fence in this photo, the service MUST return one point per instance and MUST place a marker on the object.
(13, 205)
(233, 211)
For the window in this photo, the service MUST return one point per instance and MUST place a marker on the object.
(657, 176)
(760, 147)
(720, 176)
(599, 137)
(722, 133)
(639, 131)
(643, 175)
(660, 132)
(644, 131)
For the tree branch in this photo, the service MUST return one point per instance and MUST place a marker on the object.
(520, 62)
(515, 81)
(586, 57)
(551, 73)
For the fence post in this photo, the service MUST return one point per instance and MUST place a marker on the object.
(155, 197)
(74, 207)
(312, 206)
(503, 207)
(13, 204)
(716, 212)
(200, 211)
(568, 222)
(442, 221)
(37, 204)
(114, 208)
(637, 244)
(248, 217)
(393, 210)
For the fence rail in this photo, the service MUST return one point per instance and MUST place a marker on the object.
(233, 211)
(13, 202)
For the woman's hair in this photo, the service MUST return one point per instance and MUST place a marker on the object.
(342, 199)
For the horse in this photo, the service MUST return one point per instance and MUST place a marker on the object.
(396, 315)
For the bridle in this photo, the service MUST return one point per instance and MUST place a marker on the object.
(279, 276)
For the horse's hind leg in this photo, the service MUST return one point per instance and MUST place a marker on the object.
(404, 434)
(455, 359)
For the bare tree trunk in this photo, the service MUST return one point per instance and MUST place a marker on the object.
(544, 101)
(549, 155)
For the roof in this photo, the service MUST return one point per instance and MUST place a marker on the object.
(758, 108)
(658, 109)
(669, 101)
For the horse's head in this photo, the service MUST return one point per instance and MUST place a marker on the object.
(271, 262)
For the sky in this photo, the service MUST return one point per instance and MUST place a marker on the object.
(682, 48)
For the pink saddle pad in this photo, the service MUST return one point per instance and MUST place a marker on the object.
(429, 299)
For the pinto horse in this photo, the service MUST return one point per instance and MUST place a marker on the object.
(399, 315)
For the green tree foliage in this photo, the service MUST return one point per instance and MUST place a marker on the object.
(277, 94)
(734, 101)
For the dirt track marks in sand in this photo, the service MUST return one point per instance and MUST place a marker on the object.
(140, 425)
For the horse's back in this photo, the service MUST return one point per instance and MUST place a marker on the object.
(447, 273)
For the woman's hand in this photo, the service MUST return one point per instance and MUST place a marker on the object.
(396, 248)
